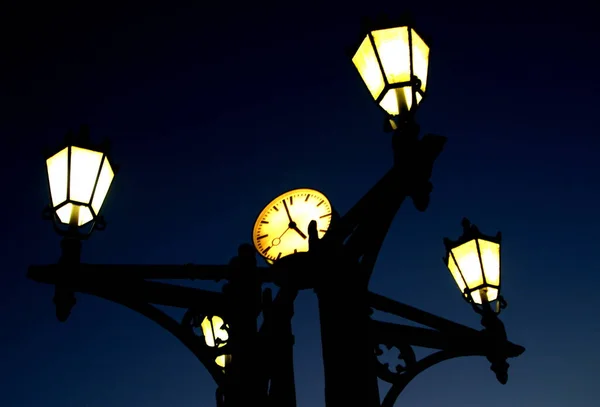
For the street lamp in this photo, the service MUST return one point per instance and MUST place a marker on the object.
(393, 64)
(331, 254)
(474, 262)
(215, 334)
(79, 178)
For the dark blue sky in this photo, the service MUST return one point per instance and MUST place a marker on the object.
(213, 111)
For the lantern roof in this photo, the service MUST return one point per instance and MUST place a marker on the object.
(383, 22)
(82, 139)
(470, 232)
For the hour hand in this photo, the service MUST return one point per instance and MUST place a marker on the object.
(299, 231)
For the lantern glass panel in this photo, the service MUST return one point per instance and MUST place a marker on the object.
(392, 47)
(490, 258)
(223, 360)
(57, 168)
(104, 180)
(366, 62)
(467, 260)
(456, 274)
(85, 165)
(84, 216)
(213, 329)
(398, 99)
(488, 293)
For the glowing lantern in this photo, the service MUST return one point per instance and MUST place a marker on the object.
(474, 262)
(79, 179)
(393, 63)
(216, 335)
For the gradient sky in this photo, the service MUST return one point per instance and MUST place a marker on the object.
(215, 111)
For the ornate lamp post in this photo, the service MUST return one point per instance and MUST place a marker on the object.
(307, 245)
(79, 178)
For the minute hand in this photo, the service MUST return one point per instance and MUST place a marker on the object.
(288, 212)
(292, 223)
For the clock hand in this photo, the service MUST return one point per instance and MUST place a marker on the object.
(292, 223)
(283, 233)
(288, 212)
(299, 231)
(277, 240)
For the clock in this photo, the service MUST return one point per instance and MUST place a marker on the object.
(281, 228)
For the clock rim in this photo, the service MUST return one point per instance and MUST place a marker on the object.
(271, 203)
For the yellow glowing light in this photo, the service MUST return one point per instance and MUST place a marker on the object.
(388, 79)
(394, 99)
(215, 334)
(79, 180)
(365, 61)
(478, 275)
(281, 228)
(394, 53)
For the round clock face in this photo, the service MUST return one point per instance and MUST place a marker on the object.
(282, 227)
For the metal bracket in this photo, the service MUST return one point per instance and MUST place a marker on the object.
(98, 224)
(450, 339)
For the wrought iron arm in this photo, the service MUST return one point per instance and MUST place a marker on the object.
(366, 224)
(208, 272)
(450, 338)
(385, 304)
(469, 341)
(398, 334)
(196, 345)
(132, 291)
(420, 366)
(147, 291)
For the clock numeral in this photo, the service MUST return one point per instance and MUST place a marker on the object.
(266, 250)
(291, 200)
(307, 196)
(322, 230)
(262, 237)
(324, 216)
(264, 222)
(276, 209)
(279, 255)
(319, 204)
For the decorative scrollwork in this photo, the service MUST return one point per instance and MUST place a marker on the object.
(192, 320)
(405, 360)
(402, 380)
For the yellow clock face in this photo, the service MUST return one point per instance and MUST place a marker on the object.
(281, 228)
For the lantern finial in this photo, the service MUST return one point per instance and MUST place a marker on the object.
(466, 224)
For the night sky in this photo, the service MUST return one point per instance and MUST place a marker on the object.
(215, 110)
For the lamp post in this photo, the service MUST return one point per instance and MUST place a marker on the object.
(79, 177)
(303, 240)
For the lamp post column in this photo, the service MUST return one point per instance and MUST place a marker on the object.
(244, 291)
(64, 298)
(348, 357)
(280, 349)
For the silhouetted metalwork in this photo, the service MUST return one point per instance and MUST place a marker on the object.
(253, 365)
